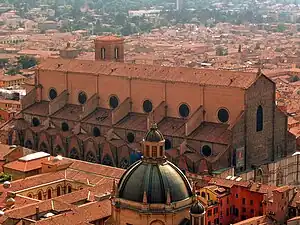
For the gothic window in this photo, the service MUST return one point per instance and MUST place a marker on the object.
(168, 144)
(96, 132)
(116, 53)
(90, 157)
(223, 115)
(130, 137)
(147, 150)
(161, 148)
(82, 97)
(259, 176)
(35, 122)
(49, 193)
(184, 110)
(69, 189)
(58, 150)
(52, 94)
(147, 106)
(107, 160)
(74, 154)
(40, 195)
(206, 151)
(28, 144)
(64, 126)
(124, 163)
(43, 147)
(113, 102)
(58, 191)
(102, 53)
(259, 118)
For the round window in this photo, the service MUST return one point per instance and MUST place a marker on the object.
(35, 122)
(96, 132)
(82, 97)
(113, 102)
(184, 110)
(52, 94)
(130, 137)
(64, 126)
(223, 115)
(168, 144)
(206, 151)
(147, 106)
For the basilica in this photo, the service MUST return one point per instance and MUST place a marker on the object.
(99, 111)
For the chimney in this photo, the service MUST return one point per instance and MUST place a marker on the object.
(37, 212)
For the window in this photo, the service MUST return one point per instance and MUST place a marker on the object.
(251, 202)
(96, 132)
(206, 151)
(40, 196)
(221, 203)
(52, 94)
(161, 150)
(203, 194)
(154, 151)
(82, 97)
(259, 118)
(236, 212)
(223, 115)
(244, 201)
(168, 144)
(130, 137)
(244, 209)
(102, 53)
(227, 200)
(35, 122)
(49, 193)
(29, 196)
(209, 212)
(215, 210)
(184, 110)
(147, 150)
(252, 211)
(236, 196)
(244, 217)
(216, 221)
(113, 102)
(116, 53)
(69, 189)
(209, 223)
(147, 106)
(58, 190)
(64, 126)
(227, 212)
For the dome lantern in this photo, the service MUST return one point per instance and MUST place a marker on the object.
(154, 144)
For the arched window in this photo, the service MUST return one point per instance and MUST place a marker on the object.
(49, 193)
(116, 53)
(259, 119)
(74, 153)
(69, 189)
(102, 53)
(29, 195)
(90, 157)
(107, 160)
(40, 195)
(58, 190)
(28, 144)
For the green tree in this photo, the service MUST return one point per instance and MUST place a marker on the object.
(27, 61)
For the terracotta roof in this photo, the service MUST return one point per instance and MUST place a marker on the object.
(69, 111)
(100, 116)
(7, 101)
(152, 72)
(134, 121)
(38, 108)
(11, 77)
(26, 166)
(4, 150)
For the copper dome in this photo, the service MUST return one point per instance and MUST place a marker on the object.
(154, 135)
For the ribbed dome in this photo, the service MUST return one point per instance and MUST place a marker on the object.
(154, 135)
(156, 180)
(197, 208)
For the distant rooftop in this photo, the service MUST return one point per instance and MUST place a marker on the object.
(33, 156)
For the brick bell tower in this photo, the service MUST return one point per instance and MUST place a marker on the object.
(109, 48)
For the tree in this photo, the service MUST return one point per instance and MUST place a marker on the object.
(27, 61)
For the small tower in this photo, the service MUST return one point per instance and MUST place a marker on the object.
(109, 48)
(154, 144)
(197, 213)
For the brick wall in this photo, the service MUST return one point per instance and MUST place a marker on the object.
(259, 145)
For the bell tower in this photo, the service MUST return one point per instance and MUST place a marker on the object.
(109, 48)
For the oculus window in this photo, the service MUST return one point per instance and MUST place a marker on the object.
(184, 110)
(130, 137)
(206, 151)
(52, 93)
(223, 115)
(96, 132)
(113, 102)
(147, 106)
(82, 97)
(64, 126)
(35, 122)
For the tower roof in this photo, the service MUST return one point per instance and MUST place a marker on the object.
(154, 135)
(197, 208)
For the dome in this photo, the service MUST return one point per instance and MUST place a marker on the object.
(197, 208)
(154, 135)
(156, 180)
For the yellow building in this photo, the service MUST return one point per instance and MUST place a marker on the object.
(11, 80)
